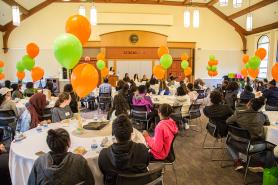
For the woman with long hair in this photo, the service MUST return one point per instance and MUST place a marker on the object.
(62, 109)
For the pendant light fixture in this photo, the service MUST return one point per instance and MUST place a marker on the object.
(249, 22)
(196, 18)
(237, 3)
(223, 2)
(93, 15)
(82, 10)
(16, 15)
(186, 18)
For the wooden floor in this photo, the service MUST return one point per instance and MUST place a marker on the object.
(194, 167)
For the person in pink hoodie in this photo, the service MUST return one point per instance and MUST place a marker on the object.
(164, 133)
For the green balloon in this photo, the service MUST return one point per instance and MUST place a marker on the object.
(100, 64)
(67, 50)
(1, 70)
(28, 62)
(247, 66)
(211, 57)
(184, 64)
(213, 68)
(254, 62)
(20, 66)
(209, 68)
(166, 61)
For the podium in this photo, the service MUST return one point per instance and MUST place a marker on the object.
(112, 79)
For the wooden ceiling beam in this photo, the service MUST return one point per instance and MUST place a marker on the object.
(263, 28)
(251, 9)
(212, 2)
(9, 27)
(186, 2)
(2, 28)
(14, 3)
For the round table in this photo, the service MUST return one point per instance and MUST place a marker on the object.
(271, 132)
(22, 153)
(161, 99)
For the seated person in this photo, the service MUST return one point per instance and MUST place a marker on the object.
(105, 87)
(126, 78)
(30, 90)
(120, 106)
(245, 97)
(182, 99)
(7, 84)
(62, 109)
(49, 86)
(73, 103)
(136, 78)
(120, 85)
(254, 121)
(192, 93)
(163, 88)
(271, 95)
(144, 79)
(6, 102)
(164, 134)
(231, 94)
(4, 165)
(142, 99)
(223, 87)
(218, 113)
(172, 81)
(153, 80)
(124, 156)
(16, 93)
(32, 116)
(60, 166)
(149, 89)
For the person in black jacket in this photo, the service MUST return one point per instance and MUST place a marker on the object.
(218, 113)
(4, 163)
(124, 156)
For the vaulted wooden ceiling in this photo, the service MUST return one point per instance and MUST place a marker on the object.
(265, 12)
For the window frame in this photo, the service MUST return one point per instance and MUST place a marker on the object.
(261, 43)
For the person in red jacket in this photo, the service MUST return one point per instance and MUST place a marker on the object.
(164, 133)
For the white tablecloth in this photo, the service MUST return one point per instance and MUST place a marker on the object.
(22, 154)
(160, 99)
(272, 130)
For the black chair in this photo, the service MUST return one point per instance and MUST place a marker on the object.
(177, 116)
(194, 113)
(7, 124)
(104, 102)
(47, 114)
(240, 139)
(29, 94)
(153, 177)
(139, 115)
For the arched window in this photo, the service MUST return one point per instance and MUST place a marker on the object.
(263, 42)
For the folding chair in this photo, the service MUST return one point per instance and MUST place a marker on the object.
(139, 115)
(7, 122)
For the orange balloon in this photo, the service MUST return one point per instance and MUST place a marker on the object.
(261, 53)
(2, 64)
(212, 62)
(212, 73)
(158, 72)
(37, 73)
(244, 72)
(2, 76)
(32, 50)
(20, 75)
(245, 58)
(101, 56)
(274, 72)
(184, 56)
(84, 79)
(187, 71)
(253, 73)
(79, 26)
(162, 50)
(104, 72)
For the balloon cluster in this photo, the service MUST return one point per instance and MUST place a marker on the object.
(165, 62)
(2, 76)
(185, 65)
(28, 63)
(274, 72)
(101, 65)
(252, 64)
(212, 66)
(68, 51)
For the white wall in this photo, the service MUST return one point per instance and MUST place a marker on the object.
(214, 36)
(252, 47)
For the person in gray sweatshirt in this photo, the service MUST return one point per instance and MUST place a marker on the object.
(60, 166)
(62, 109)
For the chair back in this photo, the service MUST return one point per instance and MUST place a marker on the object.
(238, 138)
(29, 94)
(211, 128)
(105, 101)
(152, 177)
(176, 109)
(47, 114)
(177, 115)
(104, 94)
(171, 156)
(194, 111)
(6, 117)
(139, 112)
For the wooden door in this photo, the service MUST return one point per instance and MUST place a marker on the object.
(176, 70)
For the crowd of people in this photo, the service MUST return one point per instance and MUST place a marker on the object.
(233, 102)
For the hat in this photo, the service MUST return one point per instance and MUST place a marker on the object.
(272, 82)
(5, 90)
